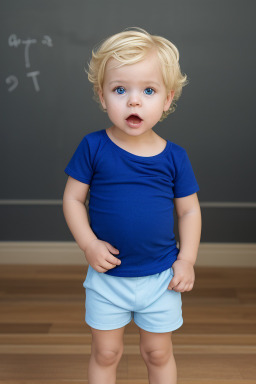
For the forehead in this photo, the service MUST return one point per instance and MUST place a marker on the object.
(149, 68)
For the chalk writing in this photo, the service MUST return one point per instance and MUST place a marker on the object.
(13, 81)
(27, 44)
(15, 42)
(34, 78)
(47, 41)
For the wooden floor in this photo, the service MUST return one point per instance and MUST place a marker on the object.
(44, 339)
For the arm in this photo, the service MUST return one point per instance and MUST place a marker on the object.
(75, 212)
(97, 252)
(189, 225)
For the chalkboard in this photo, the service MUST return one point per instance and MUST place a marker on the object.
(47, 105)
(45, 95)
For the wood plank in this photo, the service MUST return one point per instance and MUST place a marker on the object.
(44, 338)
(143, 381)
(85, 338)
(128, 349)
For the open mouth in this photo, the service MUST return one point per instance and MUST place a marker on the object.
(133, 119)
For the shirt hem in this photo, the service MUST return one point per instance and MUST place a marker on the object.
(69, 172)
(141, 273)
(188, 192)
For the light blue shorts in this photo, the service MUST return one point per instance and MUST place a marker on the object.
(113, 301)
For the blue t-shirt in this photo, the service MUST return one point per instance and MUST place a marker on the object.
(131, 200)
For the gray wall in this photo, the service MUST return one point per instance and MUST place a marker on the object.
(47, 106)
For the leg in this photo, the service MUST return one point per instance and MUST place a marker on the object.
(106, 352)
(156, 350)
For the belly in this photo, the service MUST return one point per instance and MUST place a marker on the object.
(137, 225)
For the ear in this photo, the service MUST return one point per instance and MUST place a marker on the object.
(168, 100)
(100, 93)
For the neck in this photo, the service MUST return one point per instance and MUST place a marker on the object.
(121, 136)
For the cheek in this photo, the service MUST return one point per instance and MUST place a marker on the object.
(114, 109)
(155, 106)
(114, 103)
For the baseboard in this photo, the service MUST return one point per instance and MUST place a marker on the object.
(209, 254)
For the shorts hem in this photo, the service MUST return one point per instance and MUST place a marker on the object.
(103, 327)
(161, 330)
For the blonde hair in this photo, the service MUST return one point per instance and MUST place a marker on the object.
(131, 46)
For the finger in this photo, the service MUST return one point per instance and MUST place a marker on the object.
(113, 260)
(179, 287)
(174, 282)
(111, 248)
(109, 265)
(105, 266)
(190, 287)
(186, 288)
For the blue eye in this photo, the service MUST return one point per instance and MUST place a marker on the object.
(120, 90)
(149, 91)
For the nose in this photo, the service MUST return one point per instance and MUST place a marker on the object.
(134, 99)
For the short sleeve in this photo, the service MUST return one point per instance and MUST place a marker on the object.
(185, 182)
(80, 165)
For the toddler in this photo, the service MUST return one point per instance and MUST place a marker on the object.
(136, 179)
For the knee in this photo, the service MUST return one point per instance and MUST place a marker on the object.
(107, 357)
(158, 357)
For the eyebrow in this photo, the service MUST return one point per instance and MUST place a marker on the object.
(144, 82)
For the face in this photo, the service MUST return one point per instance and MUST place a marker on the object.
(136, 89)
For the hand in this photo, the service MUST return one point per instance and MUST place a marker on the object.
(184, 276)
(98, 255)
